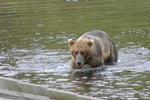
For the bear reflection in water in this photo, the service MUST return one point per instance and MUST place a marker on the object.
(94, 48)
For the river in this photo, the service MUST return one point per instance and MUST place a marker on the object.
(34, 48)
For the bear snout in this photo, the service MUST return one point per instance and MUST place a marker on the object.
(78, 63)
(79, 60)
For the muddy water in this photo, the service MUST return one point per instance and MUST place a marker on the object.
(33, 45)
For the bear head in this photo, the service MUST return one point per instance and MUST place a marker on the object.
(80, 50)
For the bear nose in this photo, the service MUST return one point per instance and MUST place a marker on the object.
(79, 63)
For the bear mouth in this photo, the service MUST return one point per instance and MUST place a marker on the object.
(79, 66)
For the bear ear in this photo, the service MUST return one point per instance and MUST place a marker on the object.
(71, 42)
(90, 42)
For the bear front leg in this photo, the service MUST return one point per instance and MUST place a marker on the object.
(96, 62)
(102, 62)
(73, 64)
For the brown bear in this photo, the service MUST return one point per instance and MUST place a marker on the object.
(93, 48)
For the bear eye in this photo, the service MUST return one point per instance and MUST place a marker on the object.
(76, 52)
(82, 53)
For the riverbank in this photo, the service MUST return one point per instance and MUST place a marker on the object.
(11, 89)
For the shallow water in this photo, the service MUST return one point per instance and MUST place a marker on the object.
(33, 45)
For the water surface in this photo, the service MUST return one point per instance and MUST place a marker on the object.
(33, 45)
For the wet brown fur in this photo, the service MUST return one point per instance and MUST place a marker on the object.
(98, 48)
